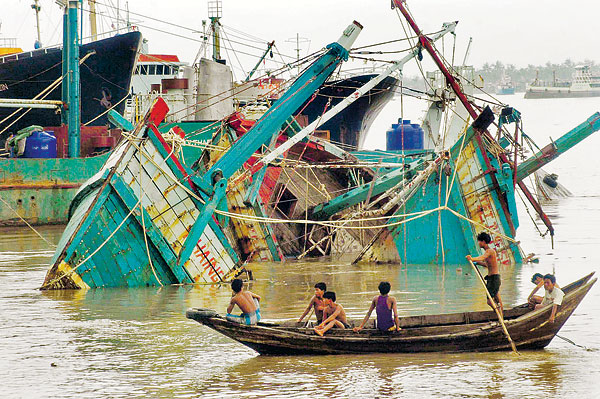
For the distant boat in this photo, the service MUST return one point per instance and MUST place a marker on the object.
(584, 84)
(506, 86)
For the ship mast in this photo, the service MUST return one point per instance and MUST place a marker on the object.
(36, 7)
(215, 12)
(93, 27)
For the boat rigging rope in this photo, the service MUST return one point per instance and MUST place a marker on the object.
(107, 110)
(573, 343)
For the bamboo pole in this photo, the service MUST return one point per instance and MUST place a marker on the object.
(309, 316)
(493, 302)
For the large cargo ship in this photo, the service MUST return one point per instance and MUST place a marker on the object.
(349, 128)
(105, 81)
(584, 84)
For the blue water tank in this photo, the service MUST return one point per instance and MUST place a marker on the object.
(40, 145)
(404, 136)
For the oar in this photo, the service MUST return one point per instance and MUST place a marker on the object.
(493, 302)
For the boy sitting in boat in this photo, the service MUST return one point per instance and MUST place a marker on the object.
(248, 303)
(384, 305)
(489, 259)
(554, 295)
(333, 314)
(316, 303)
(538, 280)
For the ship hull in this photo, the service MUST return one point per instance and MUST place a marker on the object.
(349, 128)
(506, 91)
(564, 93)
(105, 80)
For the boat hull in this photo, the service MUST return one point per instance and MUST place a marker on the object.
(39, 191)
(564, 93)
(350, 126)
(128, 224)
(460, 332)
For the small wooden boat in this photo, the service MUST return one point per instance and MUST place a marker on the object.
(456, 332)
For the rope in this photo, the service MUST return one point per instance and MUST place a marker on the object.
(103, 113)
(144, 225)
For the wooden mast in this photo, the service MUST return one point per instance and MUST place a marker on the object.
(93, 27)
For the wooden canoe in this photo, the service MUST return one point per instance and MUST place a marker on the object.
(455, 332)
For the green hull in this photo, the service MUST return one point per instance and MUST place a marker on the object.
(40, 190)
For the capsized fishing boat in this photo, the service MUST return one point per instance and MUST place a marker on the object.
(470, 186)
(455, 332)
(147, 218)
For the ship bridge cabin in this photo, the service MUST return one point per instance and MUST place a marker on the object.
(152, 69)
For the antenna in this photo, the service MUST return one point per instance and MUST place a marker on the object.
(298, 40)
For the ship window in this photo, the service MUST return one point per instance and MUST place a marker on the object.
(152, 70)
(168, 70)
(143, 69)
(137, 70)
(160, 69)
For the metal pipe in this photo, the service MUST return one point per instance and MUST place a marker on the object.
(20, 105)
(74, 117)
(29, 102)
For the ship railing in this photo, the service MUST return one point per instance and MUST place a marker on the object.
(10, 42)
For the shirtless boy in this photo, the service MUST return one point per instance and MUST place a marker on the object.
(247, 302)
(489, 259)
(333, 314)
(316, 302)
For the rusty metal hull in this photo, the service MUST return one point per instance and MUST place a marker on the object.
(40, 190)
(460, 332)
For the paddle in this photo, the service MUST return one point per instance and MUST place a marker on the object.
(500, 318)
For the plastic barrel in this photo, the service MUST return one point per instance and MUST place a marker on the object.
(404, 136)
(40, 145)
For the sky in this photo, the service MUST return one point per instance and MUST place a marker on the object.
(519, 32)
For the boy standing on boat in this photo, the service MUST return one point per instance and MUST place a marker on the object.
(489, 259)
(384, 305)
(247, 302)
(316, 303)
(554, 295)
(334, 315)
